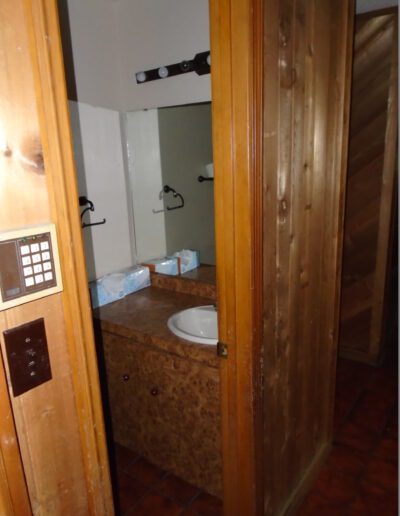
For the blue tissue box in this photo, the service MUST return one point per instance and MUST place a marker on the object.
(188, 260)
(168, 265)
(117, 285)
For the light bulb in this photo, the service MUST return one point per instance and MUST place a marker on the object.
(209, 59)
(163, 72)
(141, 77)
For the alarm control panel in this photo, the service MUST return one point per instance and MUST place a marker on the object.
(29, 265)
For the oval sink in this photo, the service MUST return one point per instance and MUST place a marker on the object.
(197, 324)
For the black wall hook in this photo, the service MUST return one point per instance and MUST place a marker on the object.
(84, 201)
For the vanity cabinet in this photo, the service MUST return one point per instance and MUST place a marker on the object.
(166, 408)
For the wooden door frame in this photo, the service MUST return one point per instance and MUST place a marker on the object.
(237, 110)
(236, 48)
(48, 69)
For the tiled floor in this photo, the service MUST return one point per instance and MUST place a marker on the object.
(144, 489)
(359, 478)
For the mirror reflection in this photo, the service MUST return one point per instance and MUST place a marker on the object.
(170, 164)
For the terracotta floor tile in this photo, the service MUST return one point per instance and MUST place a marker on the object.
(153, 504)
(129, 491)
(207, 505)
(382, 473)
(375, 419)
(336, 488)
(177, 489)
(387, 449)
(316, 505)
(392, 428)
(123, 457)
(357, 437)
(144, 471)
(373, 501)
(346, 461)
(373, 410)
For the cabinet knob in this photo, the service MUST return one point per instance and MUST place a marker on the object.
(125, 377)
(154, 391)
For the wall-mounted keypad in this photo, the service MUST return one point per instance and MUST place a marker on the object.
(37, 262)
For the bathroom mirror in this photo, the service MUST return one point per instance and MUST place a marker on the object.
(171, 146)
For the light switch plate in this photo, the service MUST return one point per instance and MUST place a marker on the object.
(29, 265)
(27, 356)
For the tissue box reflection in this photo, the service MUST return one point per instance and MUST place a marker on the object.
(168, 265)
(188, 260)
(117, 285)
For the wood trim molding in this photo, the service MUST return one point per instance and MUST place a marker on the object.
(42, 20)
(387, 206)
(14, 497)
(236, 50)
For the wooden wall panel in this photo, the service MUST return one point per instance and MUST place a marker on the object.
(370, 187)
(13, 490)
(306, 97)
(53, 426)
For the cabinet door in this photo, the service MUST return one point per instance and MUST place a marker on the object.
(166, 408)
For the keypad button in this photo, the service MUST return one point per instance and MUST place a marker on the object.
(46, 256)
(34, 248)
(36, 258)
(24, 249)
(29, 282)
(44, 246)
(48, 276)
(39, 278)
(28, 271)
(26, 260)
(47, 266)
(37, 268)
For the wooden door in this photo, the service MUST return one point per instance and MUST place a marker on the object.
(52, 436)
(307, 58)
(371, 190)
(281, 83)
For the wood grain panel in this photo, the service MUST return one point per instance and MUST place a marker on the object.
(63, 198)
(236, 49)
(370, 187)
(14, 497)
(54, 452)
(306, 96)
(46, 421)
(22, 179)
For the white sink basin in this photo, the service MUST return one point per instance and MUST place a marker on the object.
(196, 324)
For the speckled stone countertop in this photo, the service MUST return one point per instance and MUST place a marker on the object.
(143, 315)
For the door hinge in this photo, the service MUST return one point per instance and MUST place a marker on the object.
(222, 349)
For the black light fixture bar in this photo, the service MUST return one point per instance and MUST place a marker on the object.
(199, 64)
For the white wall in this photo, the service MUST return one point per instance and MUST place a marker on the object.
(89, 33)
(143, 149)
(153, 33)
(101, 177)
(363, 6)
(111, 40)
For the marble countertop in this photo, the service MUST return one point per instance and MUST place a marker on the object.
(143, 315)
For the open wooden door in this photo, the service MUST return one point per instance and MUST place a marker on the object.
(52, 436)
(281, 84)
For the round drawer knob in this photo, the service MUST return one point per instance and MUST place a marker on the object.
(125, 377)
(154, 391)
